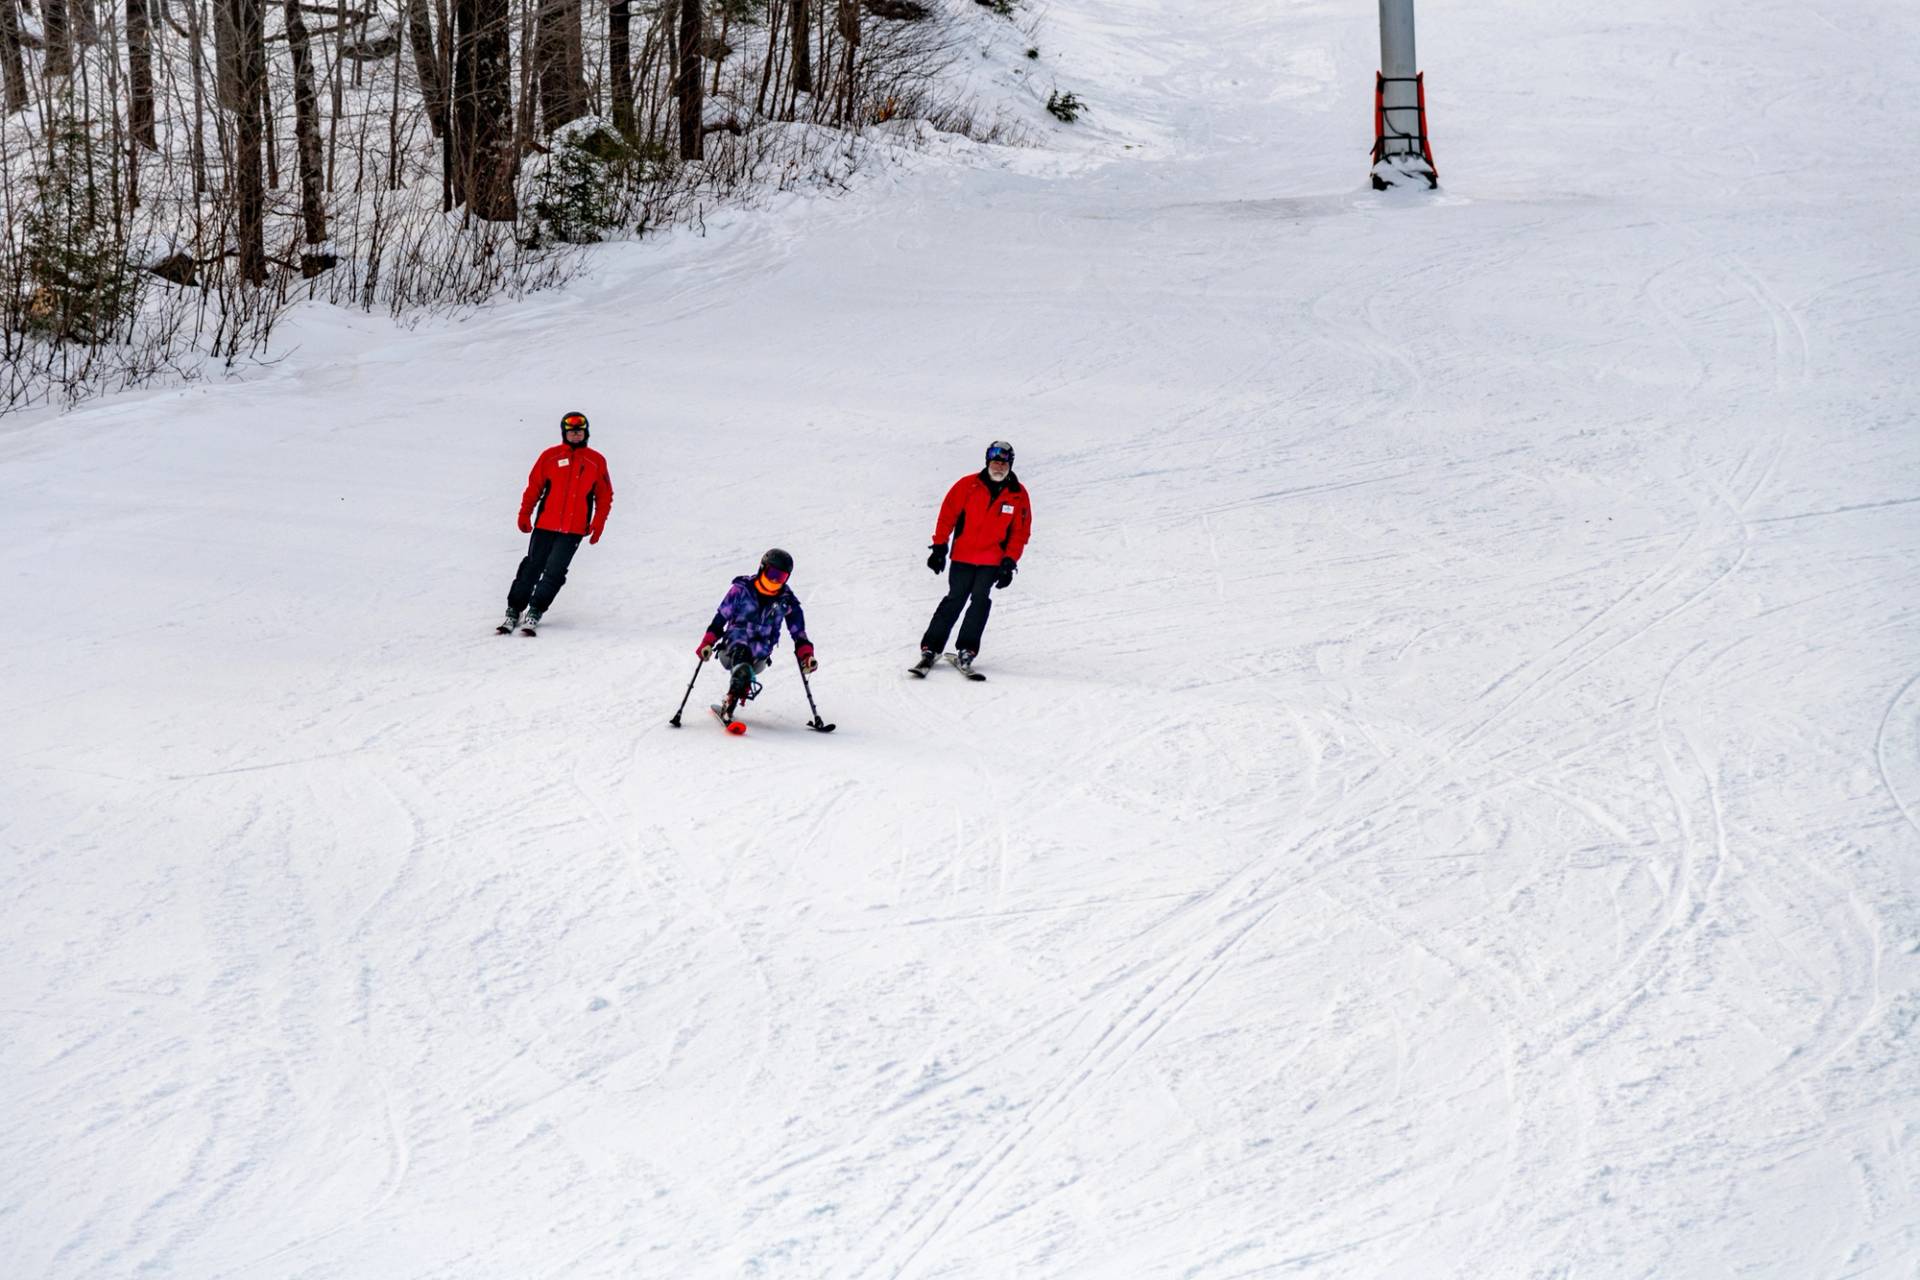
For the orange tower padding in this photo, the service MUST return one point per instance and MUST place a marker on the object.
(1380, 118)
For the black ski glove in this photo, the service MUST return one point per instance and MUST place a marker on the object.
(1007, 567)
(937, 557)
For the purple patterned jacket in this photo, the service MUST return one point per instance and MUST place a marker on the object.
(747, 617)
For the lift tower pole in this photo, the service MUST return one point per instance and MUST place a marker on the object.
(1401, 153)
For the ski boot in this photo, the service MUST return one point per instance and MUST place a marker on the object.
(508, 623)
(530, 625)
(741, 687)
(927, 659)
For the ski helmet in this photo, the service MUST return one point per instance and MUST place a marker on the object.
(777, 565)
(574, 421)
(1000, 451)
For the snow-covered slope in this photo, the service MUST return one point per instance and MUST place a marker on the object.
(1446, 802)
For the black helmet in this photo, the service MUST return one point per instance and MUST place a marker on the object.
(569, 421)
(778, 561)
(1000, 451)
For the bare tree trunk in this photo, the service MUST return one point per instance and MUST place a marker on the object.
(523, 116)
(267, 130)
(448, 160)
(849, 55)
(823, 86)
(226, 56)
(619, 59)
(339, 105)
(195, 47)
(577, 60)
(802, 49)
(139, 72)
(127, 146)
(59, 37)
(11, 61)
(656, 36)
(543, 59)
(119, 150)
(483, 107)
(246, 20)
(689, 89)
(394, 165)
(426, 65)
(306, 137)
(557, 52)
(85, 22)
(666, 93)
(775, 15)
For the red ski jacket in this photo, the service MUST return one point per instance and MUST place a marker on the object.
(572, 488)
(985, 529)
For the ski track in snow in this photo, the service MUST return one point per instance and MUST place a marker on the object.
(1445, 802)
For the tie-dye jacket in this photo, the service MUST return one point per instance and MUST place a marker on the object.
(747, 617)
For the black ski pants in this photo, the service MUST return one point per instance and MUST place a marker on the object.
(543, 571)
(736, 655)
(969, 587)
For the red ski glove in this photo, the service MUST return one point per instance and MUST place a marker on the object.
(707, 642)
(593, 537)
(804, 652)
(526, 524)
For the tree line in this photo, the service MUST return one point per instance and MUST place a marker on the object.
(386, 151)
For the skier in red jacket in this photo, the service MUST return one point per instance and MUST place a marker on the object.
(573, 493)
(988, 516)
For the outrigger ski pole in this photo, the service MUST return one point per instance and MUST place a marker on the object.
(675, 722)
(815, 722)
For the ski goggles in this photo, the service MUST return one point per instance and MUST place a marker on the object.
(775, 576)
(573, 422)
(1000, 451)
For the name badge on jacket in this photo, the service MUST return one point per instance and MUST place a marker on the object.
(561, 462)
(1006, 508)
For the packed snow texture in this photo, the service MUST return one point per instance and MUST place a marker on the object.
(1446, 801)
